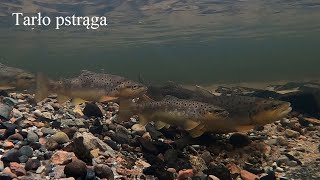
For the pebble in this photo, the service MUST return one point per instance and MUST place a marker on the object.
(7, 171)
(32, 137)
(8, 145)
(239, 140)
(212, 177)
(140, 129)
(76, 169)
(292, 163)
(11, 156)
(52, 145)
(47, 131)
(103, 171)
(37, 113)
(291, 133)
(60, 137)
(26, 150)
(185, 174)
(17, 169)
(245, 175)
(32, 164)
(282, 141)
(23, 159)
(62, 157)
(40, 169)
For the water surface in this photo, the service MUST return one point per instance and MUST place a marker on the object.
(203, 42)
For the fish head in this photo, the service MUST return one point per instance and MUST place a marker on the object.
(131, 89)
(25, 80)
(269, 110)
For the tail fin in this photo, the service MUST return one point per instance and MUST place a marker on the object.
(125, 111)
(42, 90)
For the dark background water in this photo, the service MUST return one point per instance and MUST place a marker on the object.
(184, 41)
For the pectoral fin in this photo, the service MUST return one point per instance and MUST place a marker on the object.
(190, 124)
(143, 120)
(197, 132)
(244, 128)
(77, 101)
(107, 98)
(159, 125)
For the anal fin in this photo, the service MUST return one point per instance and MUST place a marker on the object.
(197, 131)
(107, 98)
(244, 128)
(190, 124)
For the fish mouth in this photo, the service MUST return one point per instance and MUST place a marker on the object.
(286, 111)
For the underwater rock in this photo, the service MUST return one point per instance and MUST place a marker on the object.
(239, 140)
(103, 171)
(92, 110)
(60, 137)
(32, 164)
(26, 150)
(32, 137)
(5, 111)
(11, 156)
(76, 169)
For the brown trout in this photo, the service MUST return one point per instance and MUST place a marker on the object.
(190, 115)
(12, 78)
(244, 112)
(89, 86)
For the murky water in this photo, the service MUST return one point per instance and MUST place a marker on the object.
(181, 40)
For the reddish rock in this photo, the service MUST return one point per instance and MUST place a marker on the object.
(234, 170)
(245, 175)
(8, 145)
(62, 157)
(185, 174)
(7, 171)
(42, 141)
(17, 169)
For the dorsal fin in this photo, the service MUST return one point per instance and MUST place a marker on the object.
(203, 91)
(86, 72)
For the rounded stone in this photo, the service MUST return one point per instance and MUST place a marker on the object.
(103, 171)
(76, 169)
(47, 131)
(52, 145)
(23, 158)
(32, 164)
(60, 137)
(32, 137)
(26, 150)
(11, 156)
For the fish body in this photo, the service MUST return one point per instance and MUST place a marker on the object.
(188, 114)
(245, 112)
(90, 86)
(12, 78)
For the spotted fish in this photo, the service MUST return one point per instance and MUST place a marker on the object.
(89, 86)
(188, 114)
(12, 78)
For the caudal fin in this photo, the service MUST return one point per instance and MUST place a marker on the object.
(42, 90)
